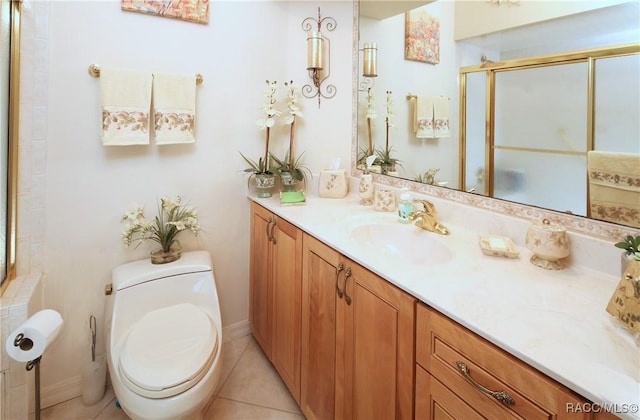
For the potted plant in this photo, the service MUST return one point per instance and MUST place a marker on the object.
(291, 171)
(631, 246)
(386, 162)
(173, 217)
(262, 169)
(290, 168)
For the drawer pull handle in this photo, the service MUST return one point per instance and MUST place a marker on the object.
(273, 226)
(501, 396)
(338, 270)
(268, 234)
(347, 274)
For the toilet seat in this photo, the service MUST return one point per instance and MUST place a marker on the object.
(168, 351)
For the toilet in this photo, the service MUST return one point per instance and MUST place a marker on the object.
(164, 337)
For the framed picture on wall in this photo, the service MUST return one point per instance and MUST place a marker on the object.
(189, 10)
(421, 37)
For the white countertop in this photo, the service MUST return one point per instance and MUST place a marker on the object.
(553, 320)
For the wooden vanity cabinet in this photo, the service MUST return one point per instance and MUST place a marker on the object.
(275, 292)
(357, 340)
(443, 391)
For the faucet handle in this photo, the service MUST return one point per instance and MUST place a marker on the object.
(429, 207)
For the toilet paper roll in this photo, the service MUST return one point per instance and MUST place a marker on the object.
(38, 332)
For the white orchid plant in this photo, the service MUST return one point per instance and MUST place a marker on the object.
(270, 113)
(291, 163)
(384, 155)
(173, 217)
(371, 115)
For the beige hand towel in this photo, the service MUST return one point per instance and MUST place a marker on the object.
(614, 187)
(423, 122)
(174, 108)
(125, 105)
(441, 117)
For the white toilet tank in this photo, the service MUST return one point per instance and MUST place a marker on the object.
(140, 287)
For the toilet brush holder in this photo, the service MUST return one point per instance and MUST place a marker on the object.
(94, 381)
(94, 374)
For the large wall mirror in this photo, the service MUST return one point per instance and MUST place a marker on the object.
(9, 103)
(522, 132)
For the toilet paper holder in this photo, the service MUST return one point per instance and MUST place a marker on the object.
(25, 343)
(43, 327)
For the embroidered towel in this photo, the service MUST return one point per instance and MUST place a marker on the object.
(125, 98)
(441, 117)
(423, 123)
(174, 108)
(614, 186)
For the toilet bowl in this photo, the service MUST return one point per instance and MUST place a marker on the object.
(164, 337)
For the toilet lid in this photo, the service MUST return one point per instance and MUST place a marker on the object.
(168, 350)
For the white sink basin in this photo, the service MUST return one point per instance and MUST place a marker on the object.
(404, 241)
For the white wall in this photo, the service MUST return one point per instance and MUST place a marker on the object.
(85, 187)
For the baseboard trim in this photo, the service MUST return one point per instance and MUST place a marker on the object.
(72, 387)
(62, 391)
(237, 330)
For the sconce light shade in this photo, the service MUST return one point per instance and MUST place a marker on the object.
(314, 50)
(370, 60)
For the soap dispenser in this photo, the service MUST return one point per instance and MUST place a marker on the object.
(365, 187)
(405, 205)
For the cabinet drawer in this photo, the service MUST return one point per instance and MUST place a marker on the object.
(435, 401)
(441, 344)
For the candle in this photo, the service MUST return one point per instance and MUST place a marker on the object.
(314, 50)
(370, 60)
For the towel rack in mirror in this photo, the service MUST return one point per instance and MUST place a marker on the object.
(94, 70)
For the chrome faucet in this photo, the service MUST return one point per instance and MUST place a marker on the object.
(428, 219)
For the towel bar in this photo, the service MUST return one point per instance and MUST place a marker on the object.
(411, 96)
(94, 70)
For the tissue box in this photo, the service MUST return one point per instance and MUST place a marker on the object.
(333, 183)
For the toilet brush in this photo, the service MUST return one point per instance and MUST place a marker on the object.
(94, 374)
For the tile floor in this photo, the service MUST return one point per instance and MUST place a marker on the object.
(249, 388)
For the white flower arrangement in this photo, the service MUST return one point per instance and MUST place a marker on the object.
(371, 110)
(390, 114)
(293, 94)
(270, 113)
(173, 217)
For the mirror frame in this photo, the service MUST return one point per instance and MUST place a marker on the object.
(592, 227)
(13, 135)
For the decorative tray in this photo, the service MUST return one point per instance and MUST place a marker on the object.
(498, 246)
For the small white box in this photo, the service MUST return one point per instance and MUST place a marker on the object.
(333, 183)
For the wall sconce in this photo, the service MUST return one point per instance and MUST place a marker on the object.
(316, 53)
(369, 65)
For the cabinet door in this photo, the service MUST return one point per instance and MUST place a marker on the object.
(378, 348)
(260, 268)
(286, 290)
(321, 266)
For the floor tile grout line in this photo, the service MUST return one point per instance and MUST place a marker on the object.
(262, 406)
(220, 385)
(233, 368)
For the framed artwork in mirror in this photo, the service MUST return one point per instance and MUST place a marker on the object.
(190, 10)
(421, 37)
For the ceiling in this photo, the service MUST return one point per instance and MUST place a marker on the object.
(601, 27)
(377, 9)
